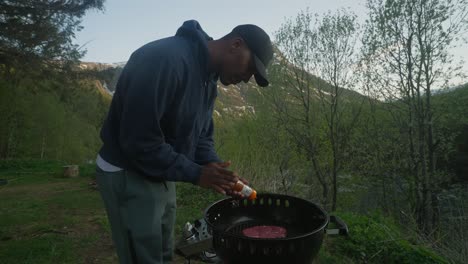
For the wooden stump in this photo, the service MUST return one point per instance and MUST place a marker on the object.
(71, 171)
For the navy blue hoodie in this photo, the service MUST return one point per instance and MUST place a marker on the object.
(160, 120)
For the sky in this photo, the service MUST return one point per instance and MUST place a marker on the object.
(111, 35)
(125, 25)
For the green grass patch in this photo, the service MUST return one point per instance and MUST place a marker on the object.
(46, 248)
(45, 218)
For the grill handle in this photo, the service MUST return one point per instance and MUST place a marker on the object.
(341, 227)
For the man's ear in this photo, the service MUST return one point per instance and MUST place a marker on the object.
(236, 44)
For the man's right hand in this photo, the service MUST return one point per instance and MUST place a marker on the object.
(217, 178)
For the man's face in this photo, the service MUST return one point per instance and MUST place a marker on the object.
(238, 64)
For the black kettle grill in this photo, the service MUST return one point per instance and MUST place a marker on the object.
(305, 223)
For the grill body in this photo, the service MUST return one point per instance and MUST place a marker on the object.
(304, 221)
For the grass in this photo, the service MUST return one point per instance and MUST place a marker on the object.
(45, 218)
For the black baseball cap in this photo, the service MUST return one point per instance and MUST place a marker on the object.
(259, 44)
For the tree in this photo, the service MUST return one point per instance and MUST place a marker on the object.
(38, 34)
(292, 93)
(317, 70)
(335, 62)
(407, 44)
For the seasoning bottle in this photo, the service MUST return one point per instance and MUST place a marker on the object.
(245, 190)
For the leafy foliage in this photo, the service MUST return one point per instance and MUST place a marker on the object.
(38, 34)
(43, 120)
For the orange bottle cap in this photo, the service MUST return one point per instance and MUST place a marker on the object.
(253, 196)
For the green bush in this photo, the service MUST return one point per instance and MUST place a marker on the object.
(30, 165)
(375, 239)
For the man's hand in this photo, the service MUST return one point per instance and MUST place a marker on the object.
(225, 165)
(215, 176)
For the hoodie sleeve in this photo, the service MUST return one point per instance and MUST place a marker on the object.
(150, 90)
(205, 152)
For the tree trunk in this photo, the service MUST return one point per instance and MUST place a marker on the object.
(432, 160)
(322, 181)
(43, 146)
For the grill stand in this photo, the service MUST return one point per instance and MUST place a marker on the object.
(197, 243)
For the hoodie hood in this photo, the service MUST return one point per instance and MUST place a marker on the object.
(192, 31)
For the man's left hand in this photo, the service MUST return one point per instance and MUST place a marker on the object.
(225, 165)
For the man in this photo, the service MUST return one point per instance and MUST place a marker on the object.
(159, 130)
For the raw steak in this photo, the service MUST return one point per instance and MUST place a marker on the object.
(265, 231)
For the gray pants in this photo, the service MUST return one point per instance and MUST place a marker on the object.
(141, 213)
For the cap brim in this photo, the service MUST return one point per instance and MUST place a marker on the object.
(260, 75)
